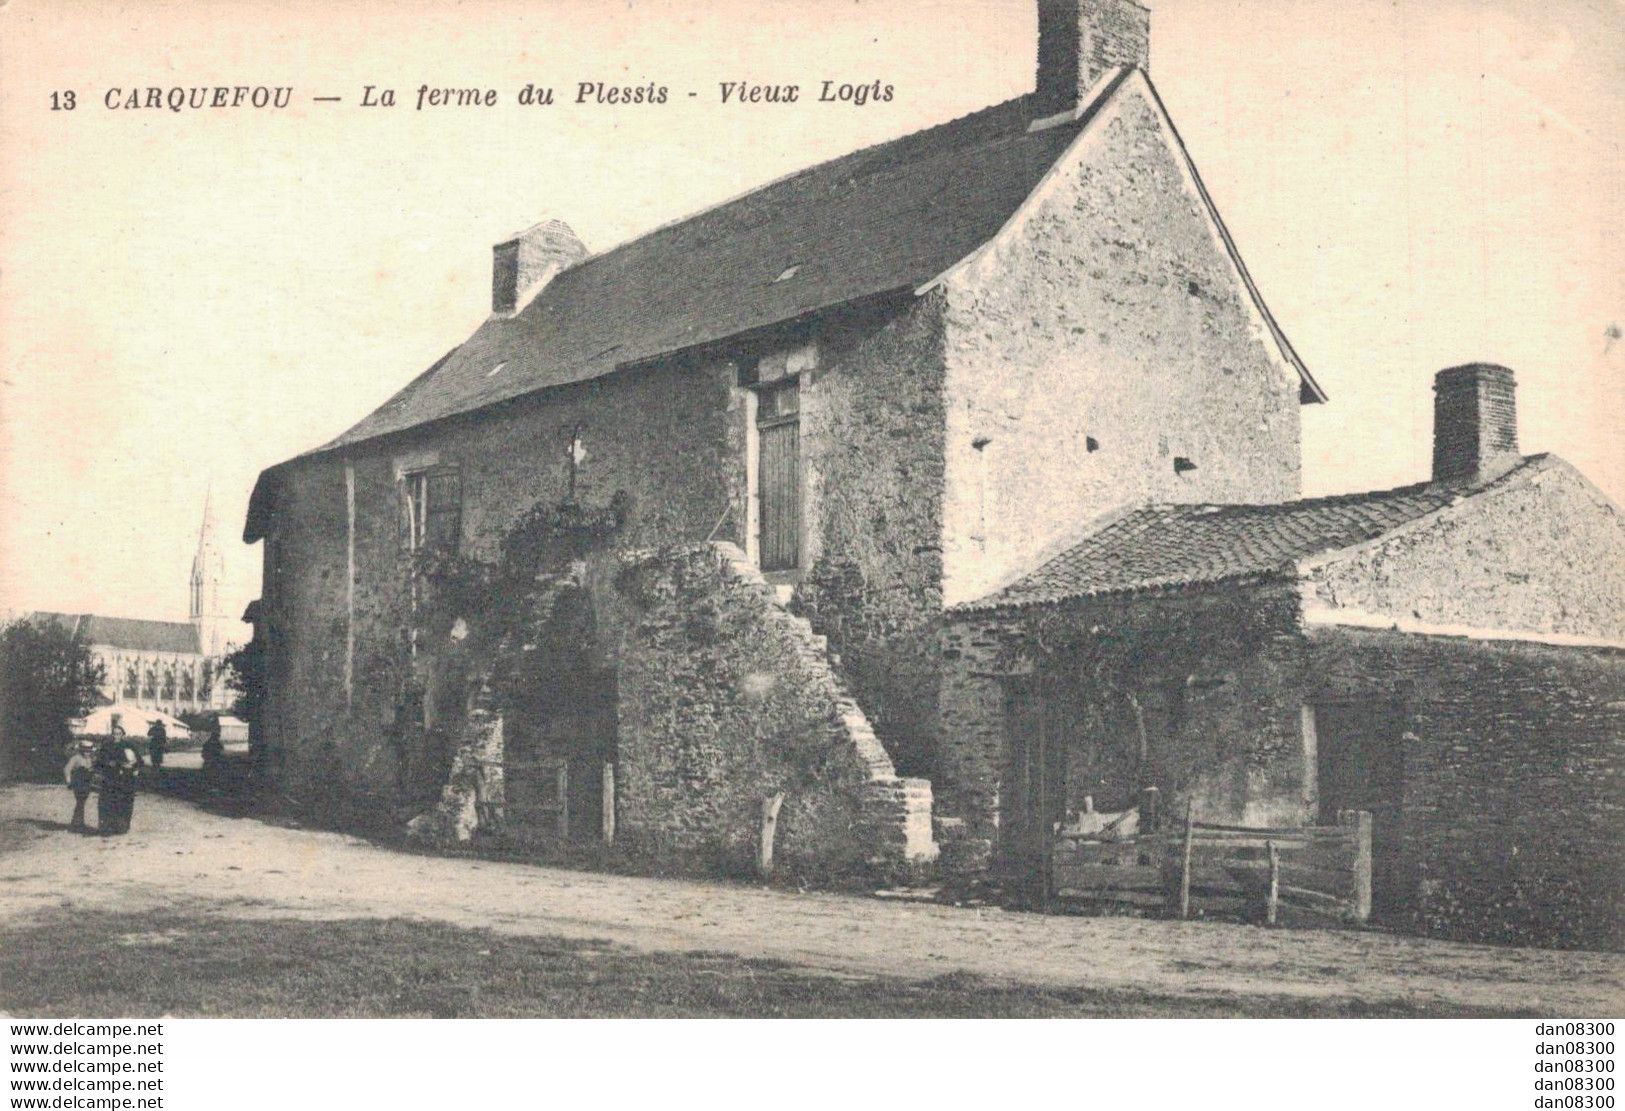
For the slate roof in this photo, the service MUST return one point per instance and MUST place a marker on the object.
(131, 634)
(1162, 547)
(883, 220)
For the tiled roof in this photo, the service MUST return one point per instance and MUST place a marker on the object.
(880, 221)
(129, 633)
(1172, 546)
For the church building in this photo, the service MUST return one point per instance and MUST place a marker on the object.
(169, 666)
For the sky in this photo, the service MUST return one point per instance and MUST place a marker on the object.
(189, 297)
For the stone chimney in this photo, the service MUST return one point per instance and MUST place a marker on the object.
(526, 263)
(1475, 422)
(1078, 41)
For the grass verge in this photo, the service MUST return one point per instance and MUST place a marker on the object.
(98, 964)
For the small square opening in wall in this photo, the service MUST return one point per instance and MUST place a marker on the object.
(1182, 464)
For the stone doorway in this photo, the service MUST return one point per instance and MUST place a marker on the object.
(555, 761)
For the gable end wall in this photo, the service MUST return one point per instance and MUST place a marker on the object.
(1543, 555)
(1107, 313)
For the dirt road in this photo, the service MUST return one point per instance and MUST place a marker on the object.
(181, 858)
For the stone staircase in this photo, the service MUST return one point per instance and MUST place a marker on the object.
(897, 808)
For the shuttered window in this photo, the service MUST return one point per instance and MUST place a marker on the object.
(433, 510)
(778, 427)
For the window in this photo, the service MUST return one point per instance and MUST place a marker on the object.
(778, 427)
(433, 509)
(132, 682)
(167, 691)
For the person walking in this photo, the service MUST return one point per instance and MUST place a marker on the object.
(157, 747)
(118, 765)
(214, 758)
(80, 772)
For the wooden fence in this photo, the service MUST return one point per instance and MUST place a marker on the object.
(1208, 869)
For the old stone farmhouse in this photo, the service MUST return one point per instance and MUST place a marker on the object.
(822, 494)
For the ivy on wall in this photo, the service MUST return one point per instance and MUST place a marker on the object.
(520, 623)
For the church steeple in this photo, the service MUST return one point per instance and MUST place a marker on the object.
(208, 571)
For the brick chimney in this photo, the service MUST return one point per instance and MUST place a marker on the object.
(1078, 41)
(523, 265)
(1475, 422)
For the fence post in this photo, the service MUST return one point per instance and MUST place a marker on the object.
(1185, 864)
(1360, 822)
(609, 803)
(564, 801)
(1150, 809)
(770, 824)
(1274, 899)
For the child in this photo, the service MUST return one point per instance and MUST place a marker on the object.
(79, 773)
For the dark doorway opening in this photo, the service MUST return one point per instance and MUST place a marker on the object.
(1361, 766)
(1035, 795)
(556, 758)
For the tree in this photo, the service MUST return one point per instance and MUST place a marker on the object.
(244, 675)
(48, 677)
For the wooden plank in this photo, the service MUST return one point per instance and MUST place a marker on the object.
(1319, 857)
(1290, 893)
(1271, 831)
(1218, 874)
(1084, 876)
(1118, 896)
(1120, 851)
(1282, 837)
(1292, 907)
(1308, 875)
(1212, 905)
(1220, 854)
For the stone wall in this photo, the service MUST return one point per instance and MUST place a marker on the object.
(360, 718)
(1513, 820)
(1543, 552)
(303, 590)
(1208, 681)
(1104, 334)
(1503, 817)
(726, 699)
(871, 428)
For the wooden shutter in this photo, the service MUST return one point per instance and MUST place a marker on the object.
(779, 478)
(443, 519)
(432, 510)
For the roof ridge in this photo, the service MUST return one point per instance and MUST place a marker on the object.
(1164, 545)
(907, 136)
(1463, 486)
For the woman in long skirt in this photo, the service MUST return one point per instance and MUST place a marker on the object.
(117, 765)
